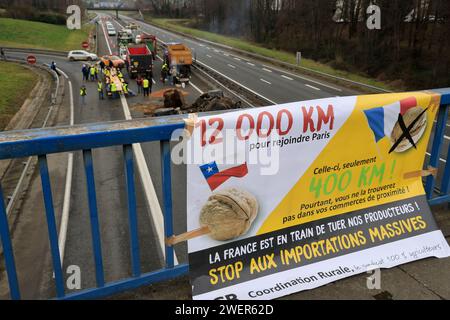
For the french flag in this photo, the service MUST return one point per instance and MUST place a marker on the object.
(383, 119)
(215, 178)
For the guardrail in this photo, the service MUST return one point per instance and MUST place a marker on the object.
(85, 138)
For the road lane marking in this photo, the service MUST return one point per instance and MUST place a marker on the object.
(196, 88)
(312, 87)
(226, 54)
(303, 78)
(286, 77)
(265, 81)
(106, 38)
(208, 56)
(226, 88)
(231, 66)
(237, 59)
(251, 64)
(239, 84)
(268, 70)
(440, 159)
(62, 236)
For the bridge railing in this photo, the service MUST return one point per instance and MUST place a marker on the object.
(42, 142)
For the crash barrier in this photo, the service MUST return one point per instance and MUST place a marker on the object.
(85, 138)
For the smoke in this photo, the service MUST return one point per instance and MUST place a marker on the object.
(228, 17)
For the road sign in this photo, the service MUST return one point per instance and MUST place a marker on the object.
(31, 59)
(85, 44)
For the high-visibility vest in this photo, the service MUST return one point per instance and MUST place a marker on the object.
(120, 75)
(82, 91)
(113, 87)
(165, 67)
(146, 83)
(92, 71)
(100, 86)
(125, 88)
(107, 72)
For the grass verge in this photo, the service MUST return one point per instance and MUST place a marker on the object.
(179, 25)
(38, 35)
(16, 82)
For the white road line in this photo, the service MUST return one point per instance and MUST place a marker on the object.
(286, 77)
(268, 70)
(62, 236)
(251, 64)
(304, 78)
(309, 86)
(237, 59)
(440, 159)
(208, 48)
(239, 84)
(106, 38)
(226, 54)
(265, 81)
(226, 88)
(231, 66)
(196, 88)
(208, 56)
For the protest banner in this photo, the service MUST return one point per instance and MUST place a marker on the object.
(291, 197)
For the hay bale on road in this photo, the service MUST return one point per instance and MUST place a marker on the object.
(174, 98)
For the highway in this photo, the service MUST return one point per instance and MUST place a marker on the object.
(271, 82)
(274, 84)
(31, 242)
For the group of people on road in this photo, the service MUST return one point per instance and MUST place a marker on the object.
(113, 82)
(90, 72)
(167, 73)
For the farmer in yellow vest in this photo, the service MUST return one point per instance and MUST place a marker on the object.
(92, 72)
(83, 94)
(113, 89)
(146, 86)
(100, 89)
(125, 88)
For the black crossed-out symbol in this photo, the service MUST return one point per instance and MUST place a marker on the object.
(407, 130)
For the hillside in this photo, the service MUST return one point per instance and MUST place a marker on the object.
(27, 34)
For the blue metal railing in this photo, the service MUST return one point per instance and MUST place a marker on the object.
(41, 142)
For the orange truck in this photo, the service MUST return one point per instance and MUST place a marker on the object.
(179, 59)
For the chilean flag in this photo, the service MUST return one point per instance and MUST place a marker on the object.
(215, 178)
(383, 119)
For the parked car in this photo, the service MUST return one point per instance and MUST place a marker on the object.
(116, 61)
(81, 55)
